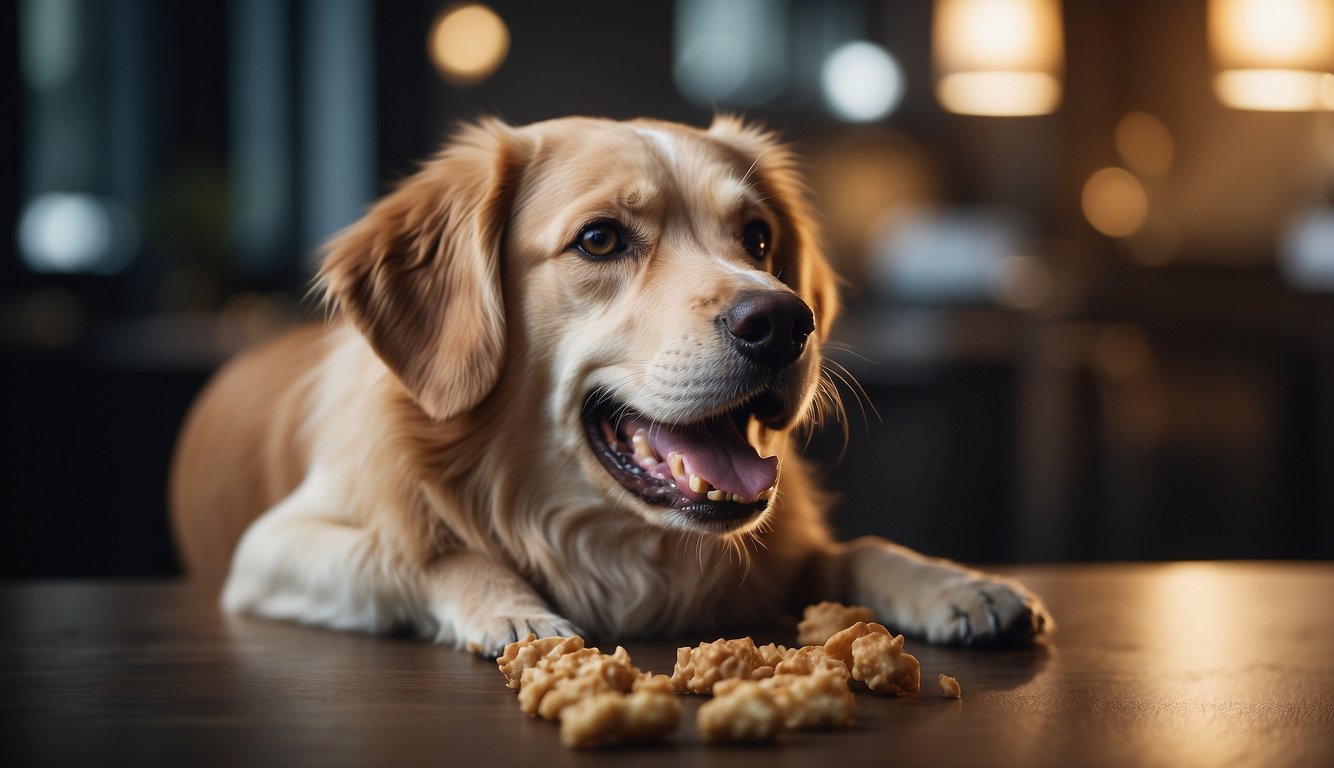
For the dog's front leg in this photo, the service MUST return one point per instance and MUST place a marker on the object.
(935, 599)
(481, 605)
(301, 562)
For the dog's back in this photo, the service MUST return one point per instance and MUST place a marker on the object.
(240, 450)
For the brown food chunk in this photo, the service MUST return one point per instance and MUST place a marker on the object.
(554, 683)
(818, 700)
(747, 712)
(615, 668)
(880, 662)
(699, 668)
(950, 687)
(638, 717)
(839, 645)
(525, 653)
(653, 683)
(822, 621)
(598, 698)
(769, 655)
(809, 660)
(571, 690)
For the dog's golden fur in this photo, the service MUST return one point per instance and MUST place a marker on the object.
(422, 459)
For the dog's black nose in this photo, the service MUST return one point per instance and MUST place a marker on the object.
(769, 327)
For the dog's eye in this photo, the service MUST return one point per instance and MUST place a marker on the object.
(600, 241)
(756, 239)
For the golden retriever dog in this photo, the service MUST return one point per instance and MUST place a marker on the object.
(558, 394)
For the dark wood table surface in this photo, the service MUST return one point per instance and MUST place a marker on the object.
(1225, 664)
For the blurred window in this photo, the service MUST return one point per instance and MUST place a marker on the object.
(189, 150)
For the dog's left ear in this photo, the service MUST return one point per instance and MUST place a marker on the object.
(419, 275)
(800, 260)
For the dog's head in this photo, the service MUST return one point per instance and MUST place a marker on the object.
(645, 298)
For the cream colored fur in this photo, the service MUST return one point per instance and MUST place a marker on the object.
(428, 461)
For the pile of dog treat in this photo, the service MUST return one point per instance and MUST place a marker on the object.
(758, 691)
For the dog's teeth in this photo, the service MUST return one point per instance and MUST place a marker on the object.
(716, 495)
(642, 449)
(735, 497)
(678, 465)
(699, 485)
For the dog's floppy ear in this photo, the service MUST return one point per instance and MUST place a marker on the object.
(419, 275)
(800, 258)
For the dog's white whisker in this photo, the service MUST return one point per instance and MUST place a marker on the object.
(853, 385)
(842, 347)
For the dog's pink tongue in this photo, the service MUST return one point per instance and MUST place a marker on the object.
(716, 452)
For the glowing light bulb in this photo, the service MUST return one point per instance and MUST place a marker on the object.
(468, 43)
(862, 82)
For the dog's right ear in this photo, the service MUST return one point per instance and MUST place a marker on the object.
(419, 275)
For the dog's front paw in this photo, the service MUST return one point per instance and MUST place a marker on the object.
(489, 635)
(986, 611)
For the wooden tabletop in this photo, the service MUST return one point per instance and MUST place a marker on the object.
(1224, 664)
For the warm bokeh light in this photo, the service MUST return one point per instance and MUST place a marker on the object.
(468, 43)
(1272, 34)
(1144, 143)
(999, 94)
(998, 57)
(862, 82)
(1275, 90)
(1114, 202)
(1274, 55)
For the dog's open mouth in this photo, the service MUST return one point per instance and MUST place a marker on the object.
(706, 470)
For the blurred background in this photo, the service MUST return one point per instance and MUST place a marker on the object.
(1089, 246)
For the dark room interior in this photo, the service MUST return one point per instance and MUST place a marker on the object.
(1062, 396)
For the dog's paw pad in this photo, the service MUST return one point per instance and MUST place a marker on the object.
(489, 636)
(988, 612)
